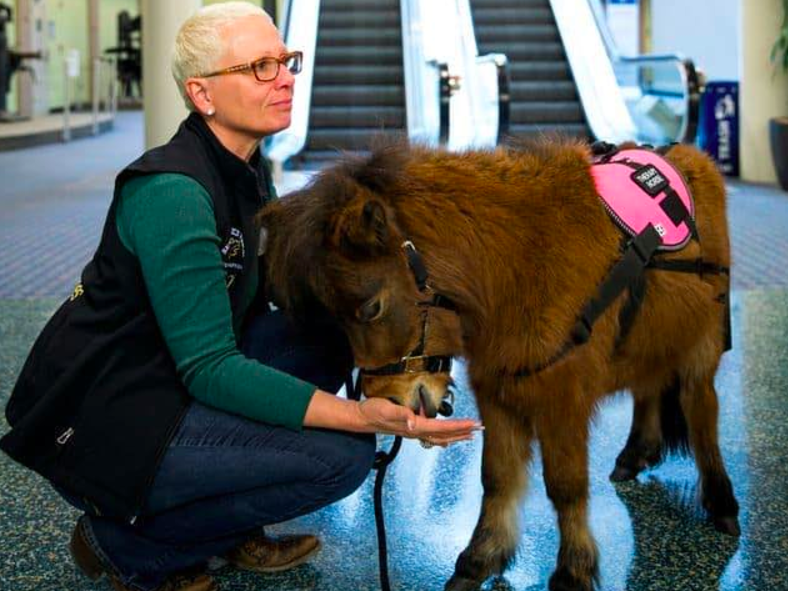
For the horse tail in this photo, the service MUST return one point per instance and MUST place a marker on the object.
(675, 435)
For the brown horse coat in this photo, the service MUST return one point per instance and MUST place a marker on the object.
(519, 240)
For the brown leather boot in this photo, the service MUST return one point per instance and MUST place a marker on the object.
(263, 554)
(92, 567)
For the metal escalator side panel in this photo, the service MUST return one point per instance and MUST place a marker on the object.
(422, 77)
(600, 94)
(301, 33)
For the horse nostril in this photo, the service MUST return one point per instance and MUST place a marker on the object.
(446, 409)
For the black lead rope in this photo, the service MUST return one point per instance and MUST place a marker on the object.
(381, 464)
(382, 461)
(429, 363)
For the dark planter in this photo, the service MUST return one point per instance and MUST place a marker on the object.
(778, 134)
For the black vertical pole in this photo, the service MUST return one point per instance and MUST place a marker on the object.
(5, 56)
(270, 7)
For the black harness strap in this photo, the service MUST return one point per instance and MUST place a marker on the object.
(697, 266)
(636, 256)
(700, 267)
(630, 309)
(628, 272)
(630, 266)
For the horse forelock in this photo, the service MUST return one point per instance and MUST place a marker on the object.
(301, 266)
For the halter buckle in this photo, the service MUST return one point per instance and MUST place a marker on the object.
(413, 364)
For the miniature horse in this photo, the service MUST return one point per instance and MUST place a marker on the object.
(518, 241)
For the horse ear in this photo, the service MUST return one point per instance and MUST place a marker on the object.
(363, 227)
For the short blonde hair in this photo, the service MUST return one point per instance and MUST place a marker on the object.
(199, 43)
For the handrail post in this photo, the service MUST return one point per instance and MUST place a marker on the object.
(113, 87)
(66, 102)
(96, 95)
(447, 86)
(504, 96)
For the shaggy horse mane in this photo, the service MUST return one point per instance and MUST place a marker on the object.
(394, 173)
(311, 214)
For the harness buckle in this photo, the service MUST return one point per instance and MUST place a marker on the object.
(413, 364)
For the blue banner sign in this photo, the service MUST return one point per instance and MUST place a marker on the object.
(718, 128)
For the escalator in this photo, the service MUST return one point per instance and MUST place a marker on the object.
(564, 75)
(543, 92)
(358, 85)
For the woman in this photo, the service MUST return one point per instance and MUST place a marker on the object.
(164, 399)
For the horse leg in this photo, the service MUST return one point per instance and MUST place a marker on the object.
(563, 437)
(700, 406)
(507, 448)
(644, 443)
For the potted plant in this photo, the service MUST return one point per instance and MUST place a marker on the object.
(778, 126)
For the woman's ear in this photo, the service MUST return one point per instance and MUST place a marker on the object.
(198, 91)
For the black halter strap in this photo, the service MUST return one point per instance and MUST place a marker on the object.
(416, 361)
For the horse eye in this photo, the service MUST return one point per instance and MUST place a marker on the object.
(370, 311)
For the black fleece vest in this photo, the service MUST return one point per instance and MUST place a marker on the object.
(98, 398)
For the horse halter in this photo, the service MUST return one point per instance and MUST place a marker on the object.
(416, 361)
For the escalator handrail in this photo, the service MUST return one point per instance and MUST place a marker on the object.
(600, 93)
(693, 80)
(484, 89)
(291, 141)
(421, 78)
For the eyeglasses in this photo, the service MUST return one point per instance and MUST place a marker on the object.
(266, 69)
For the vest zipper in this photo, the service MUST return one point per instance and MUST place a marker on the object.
(65, 436)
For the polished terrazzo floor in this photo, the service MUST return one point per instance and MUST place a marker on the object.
(651, 533)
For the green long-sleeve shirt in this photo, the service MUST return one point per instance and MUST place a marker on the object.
(167, 221)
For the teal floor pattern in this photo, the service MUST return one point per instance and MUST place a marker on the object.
(652, 534)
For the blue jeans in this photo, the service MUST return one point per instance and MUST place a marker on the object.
(223, 477)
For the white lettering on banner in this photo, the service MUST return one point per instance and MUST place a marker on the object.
(724, 134)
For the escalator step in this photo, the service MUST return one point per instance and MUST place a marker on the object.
(499, 4)
(543, 50)
(348, 139)
(509, 33)
(358, 5)
(357, 75)
(502, 15)
(352, 37)
(359, 56)
(540, 71)
(346, 95)
(543, 90)
(336, 19)
(543, 94)
(357, 117)
(358, 93)
(318, 159)
(546, 112)
(535, 131)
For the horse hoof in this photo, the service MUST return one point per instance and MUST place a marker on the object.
(623, 473)
(462, 584)
(727, 525)
(562, 580)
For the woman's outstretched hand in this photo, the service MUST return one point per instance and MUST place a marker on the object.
(383, 416)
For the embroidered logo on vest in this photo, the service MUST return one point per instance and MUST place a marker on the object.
(233, 253)
(78, 291)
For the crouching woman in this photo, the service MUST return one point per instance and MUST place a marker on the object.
(164, 399)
